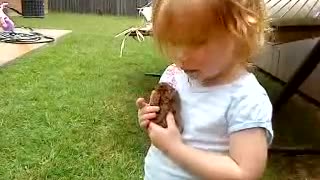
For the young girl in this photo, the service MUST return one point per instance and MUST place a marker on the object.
(226, 113)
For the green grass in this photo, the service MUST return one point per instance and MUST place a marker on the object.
(67, 110)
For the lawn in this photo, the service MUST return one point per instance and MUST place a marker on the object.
(68, 110)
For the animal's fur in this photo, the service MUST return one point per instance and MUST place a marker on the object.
(168, 99)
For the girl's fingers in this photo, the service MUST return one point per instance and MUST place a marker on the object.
(141, 103)
(146, 110)
(152, 94)
(148, 116)
(144, 124)
(150, 109)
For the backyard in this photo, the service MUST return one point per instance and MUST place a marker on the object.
(68, 109)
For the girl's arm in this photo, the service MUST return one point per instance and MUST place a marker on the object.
(246, 159)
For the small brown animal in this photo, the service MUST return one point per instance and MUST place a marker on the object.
(168, 99)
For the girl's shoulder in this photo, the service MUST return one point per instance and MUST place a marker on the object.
(172, 70)
(171, 75)
(250, 107)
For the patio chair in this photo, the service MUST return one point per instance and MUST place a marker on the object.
(293, 21)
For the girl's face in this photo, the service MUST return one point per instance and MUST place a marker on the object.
(208, 60)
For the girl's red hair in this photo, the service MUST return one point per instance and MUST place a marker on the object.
(192, 22)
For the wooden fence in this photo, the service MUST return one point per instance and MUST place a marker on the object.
(113, 7)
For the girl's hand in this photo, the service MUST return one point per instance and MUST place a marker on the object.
(165, 138)
(146, 112)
